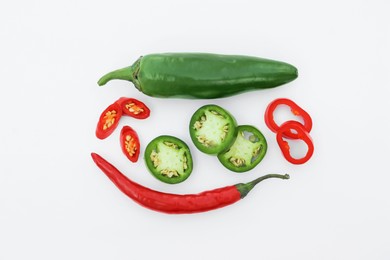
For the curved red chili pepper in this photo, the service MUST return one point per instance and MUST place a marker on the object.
(134, 108)
(295, 109)
(302, 134)
(178, 203)
(108, 121)
(130, 143)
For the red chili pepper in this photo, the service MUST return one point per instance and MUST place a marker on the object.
(302, 134)
(130, 143)
(178, 203)
(108, 121)
(295, 109)
(134, 108)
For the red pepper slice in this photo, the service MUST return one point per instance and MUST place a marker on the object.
(130, 143)
(134, 108)
(301, 133)
(108, 121)
(295, 109)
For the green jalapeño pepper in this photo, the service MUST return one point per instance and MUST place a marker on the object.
(168, 159)
(247, 151)
(202, 75)
(212, 129)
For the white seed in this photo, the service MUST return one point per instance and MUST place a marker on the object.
(237, 161)
(203, 140)
(169, 173)
(198, 125)
(256, 151)
(154, 158)
(170, 144)
(225, 128)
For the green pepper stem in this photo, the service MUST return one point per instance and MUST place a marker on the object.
(125, 74)
(245, 188)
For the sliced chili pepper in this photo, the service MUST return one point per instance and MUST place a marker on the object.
(178, 203)
(247, 151)
(130, 143)
(295, 109)
(108, 121)
(134, 108)
(301, 134)
(168, 159)
(212, 129)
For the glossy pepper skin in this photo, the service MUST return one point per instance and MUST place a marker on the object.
(178, 203)
(202, 75)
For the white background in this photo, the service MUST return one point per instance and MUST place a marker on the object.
(56, 204)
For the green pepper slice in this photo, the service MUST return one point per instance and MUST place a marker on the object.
(168, 159)
(246, 152)
(212, 129)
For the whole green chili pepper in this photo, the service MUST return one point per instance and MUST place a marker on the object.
(202, 75)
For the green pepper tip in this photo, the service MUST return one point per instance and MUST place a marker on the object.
(101, 82)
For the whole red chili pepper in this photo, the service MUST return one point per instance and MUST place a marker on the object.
(178, 203)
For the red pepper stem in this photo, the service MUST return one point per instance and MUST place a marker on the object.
(245, 188)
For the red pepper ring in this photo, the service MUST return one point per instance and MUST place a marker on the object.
(301, 133)
(295, 109)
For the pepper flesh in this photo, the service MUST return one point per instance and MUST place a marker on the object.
(212, 129)
(178, 203)
(202, 75)
(169, 159)
(247, 151)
